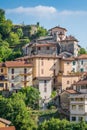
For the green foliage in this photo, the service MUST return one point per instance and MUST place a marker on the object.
(14, 109)
(13, 39)
(41, 32)
(20, 32)
(5, 52)
(56, 124)
(5, 28)
(82, 51)
(32, 97)
(54, 93)
(2, 15)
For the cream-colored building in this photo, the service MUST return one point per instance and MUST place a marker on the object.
(45, 71)
(15, 75)
(78, 102)
(65, 76)
(78, 107)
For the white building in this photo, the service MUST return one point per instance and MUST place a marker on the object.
(15, 75)
(78, 107)
(79, 63)
(78, 102)
(44, 85)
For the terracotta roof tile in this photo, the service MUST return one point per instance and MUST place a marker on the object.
(83, 56)
(69, 38)
(71, 91)
(15, 64)
(39, 56)
(81, 82)
(45, 44)
(8, 128)
(58, 28)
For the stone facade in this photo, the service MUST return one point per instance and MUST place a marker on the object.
(56, 43)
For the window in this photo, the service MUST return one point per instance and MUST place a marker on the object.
(81, 69)
(12, 71)
(1, 85)
(45, 83)
(42, 63)
(80, 107)
(73, 70)
(80, 118)
(48, 48)
(74, 62)
(25, 77)
(25, 70)
(72, 99)
(42, 71)
(67, 63)
(73, 118)
(82, 62)
(45, 89)
(67, 82)
(39, 48)
(83, 87)
(73, 107)
(74, 81)
(1, 70)
(12, 77)
(12, 85)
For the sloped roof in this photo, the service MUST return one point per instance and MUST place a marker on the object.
(15, 64)
(8, 128)
(7, 122)
(45, 44)
(58, 28)
(40, 56)
(71, 91)
(83, 56)
(70, 38)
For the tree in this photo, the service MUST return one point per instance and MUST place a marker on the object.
(14, 109)
(55, 124)
(32, 97)
(41, 32)
(82, 51)
(5, 28)
(5, 52)
(54, 93)
(13, 39)
(20, 32)
(2, 15)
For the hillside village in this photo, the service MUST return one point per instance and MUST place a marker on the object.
(52, 64)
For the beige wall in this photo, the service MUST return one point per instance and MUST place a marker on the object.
(43, 67)
(19, 74)
(67, 81)
(2, 124)
(66, 67)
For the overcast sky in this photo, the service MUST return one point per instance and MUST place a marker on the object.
(70, 14)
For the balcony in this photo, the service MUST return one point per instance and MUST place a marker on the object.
(22, 74)
(3, 78)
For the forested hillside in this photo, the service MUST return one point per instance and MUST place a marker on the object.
(14, 37)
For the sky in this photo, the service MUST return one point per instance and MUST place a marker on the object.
(69, 14)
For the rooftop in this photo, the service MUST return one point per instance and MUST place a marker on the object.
(15, 64)
(70, 38)
(7, 122)
(58, 28)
